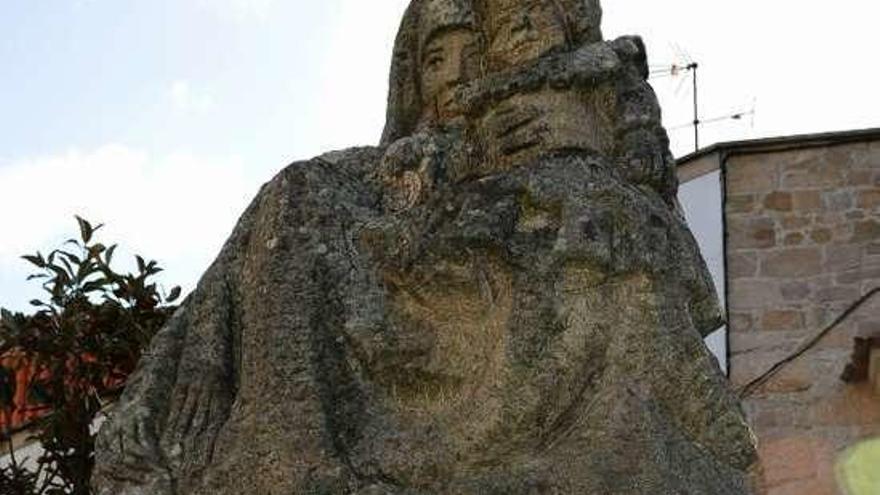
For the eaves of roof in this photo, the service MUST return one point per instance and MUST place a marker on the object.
(785, 143)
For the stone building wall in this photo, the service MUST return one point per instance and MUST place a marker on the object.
(803, 243)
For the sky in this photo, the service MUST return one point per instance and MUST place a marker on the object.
(161, 118)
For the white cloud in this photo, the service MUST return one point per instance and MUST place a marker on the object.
(177, 209)
(185, 98)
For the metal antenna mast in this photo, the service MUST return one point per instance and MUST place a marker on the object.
(674, 70)
(687, 64)
(693, 68)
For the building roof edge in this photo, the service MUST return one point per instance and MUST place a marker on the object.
(796, 141)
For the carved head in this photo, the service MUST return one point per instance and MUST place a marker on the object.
(522, 30)
(436, 50)
(514, 32)
(448, 56)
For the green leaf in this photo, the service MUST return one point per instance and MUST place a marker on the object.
(97, 249)
(70, 256)
(94, 285)
(140, 263)
(174, 294)
(85, 270)
(108, 255)
(36, 302)
(59, 271)
(36, 260)
(85, 229)
(68, 267)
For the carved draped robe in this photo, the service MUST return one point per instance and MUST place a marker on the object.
(532, 329)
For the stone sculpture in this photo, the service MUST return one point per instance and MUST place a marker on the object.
(500, 298)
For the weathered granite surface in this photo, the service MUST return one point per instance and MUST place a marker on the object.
(501, 298)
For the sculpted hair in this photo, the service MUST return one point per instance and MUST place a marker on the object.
(404, 99)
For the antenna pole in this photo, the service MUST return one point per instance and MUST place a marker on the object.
(693, 67)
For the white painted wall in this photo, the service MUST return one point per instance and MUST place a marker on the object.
(700, 199)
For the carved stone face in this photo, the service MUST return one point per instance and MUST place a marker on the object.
(520, 31)
(523, 30)
(449, 58)
(451, 316)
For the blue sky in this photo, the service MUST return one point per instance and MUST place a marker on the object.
(161, 118)
(80, 73)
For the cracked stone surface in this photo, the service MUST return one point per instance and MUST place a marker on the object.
(500, 298)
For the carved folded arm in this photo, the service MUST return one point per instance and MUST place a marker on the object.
(128, 452)
(182, 385)
(173, 403)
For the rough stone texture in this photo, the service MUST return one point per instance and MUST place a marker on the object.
(501, 298)
(811, 233)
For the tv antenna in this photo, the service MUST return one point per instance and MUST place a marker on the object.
(686, 66)
(735, 115)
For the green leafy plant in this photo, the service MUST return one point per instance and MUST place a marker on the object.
(80, 345)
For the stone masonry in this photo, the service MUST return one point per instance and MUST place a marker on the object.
(803, 243)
